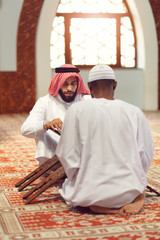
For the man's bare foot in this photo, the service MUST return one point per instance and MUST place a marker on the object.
(134, 207)
(128, 209)
(104, 210)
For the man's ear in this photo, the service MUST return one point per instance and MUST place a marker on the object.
(114, 85)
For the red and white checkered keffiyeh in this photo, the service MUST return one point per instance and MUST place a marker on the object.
(59, 78)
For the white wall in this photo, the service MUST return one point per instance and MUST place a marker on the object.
(43, 70)
(147, 44)
(9, 18)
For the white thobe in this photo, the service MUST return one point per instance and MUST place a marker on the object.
(46, 109)
(106, 148)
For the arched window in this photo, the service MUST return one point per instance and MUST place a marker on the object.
(86, 33)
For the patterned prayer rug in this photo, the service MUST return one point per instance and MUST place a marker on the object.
(48, 217)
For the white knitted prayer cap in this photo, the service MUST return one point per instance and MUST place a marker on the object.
(100, 72)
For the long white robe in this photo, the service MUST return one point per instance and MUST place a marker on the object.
(106, 148)
(45, 109)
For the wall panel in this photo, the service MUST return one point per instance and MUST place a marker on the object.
(18, 88)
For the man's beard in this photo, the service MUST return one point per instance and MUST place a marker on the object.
(69, 98)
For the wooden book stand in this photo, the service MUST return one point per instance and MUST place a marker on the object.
(56, 173)
(153, 190)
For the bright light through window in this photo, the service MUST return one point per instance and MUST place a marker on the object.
(87, 41)
(94, 6)
(86, 33)
(57, 49)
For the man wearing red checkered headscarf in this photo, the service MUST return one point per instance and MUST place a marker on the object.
(48, 113)
(61, 75)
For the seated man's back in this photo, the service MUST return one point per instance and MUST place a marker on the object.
(103, 155)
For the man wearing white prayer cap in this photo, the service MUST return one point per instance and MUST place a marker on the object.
(106, 149)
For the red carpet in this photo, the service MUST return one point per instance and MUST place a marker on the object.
(48, 217)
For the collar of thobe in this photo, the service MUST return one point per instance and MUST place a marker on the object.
(67, 104)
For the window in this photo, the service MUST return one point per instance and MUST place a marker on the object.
(86, 33)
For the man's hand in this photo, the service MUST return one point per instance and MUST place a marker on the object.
(55, 124)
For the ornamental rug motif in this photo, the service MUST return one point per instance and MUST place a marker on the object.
(48, 217)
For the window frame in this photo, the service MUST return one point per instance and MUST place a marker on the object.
(117, 16)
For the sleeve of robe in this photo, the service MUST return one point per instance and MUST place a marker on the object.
(33, 125)
(68, 149)
(145, 142)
